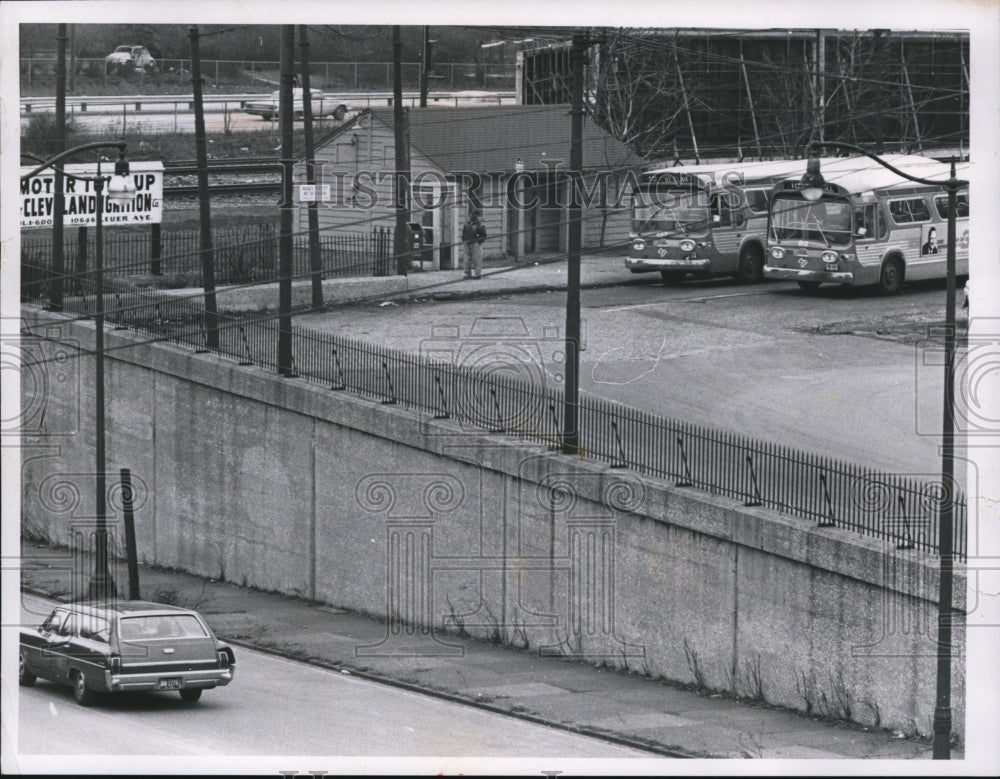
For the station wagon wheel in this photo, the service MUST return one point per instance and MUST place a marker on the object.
(83, 694)
(890, 280)
(750, 266)
(25, 678)
(191, 695)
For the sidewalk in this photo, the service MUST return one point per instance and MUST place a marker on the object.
(500, 275)
(627, 708)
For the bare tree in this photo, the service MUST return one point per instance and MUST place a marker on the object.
(670, 93)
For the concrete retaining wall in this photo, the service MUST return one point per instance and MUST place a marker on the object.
(286, 486)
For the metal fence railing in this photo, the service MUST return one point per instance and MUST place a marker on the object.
(243, 254)
(260, 76)
(900, 510)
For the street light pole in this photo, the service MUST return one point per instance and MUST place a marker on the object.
(102, 585)
(942, 709)
(571, 407)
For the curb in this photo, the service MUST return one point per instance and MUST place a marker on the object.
(369, 289)
(453, 697)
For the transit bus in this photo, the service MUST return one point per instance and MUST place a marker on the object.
(864, 225)
(705, 220)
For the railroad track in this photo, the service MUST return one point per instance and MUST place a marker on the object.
(250, 166)
(246, 188)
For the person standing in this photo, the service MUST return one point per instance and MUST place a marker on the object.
(473, 236)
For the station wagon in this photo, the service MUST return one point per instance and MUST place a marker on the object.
(121, 646)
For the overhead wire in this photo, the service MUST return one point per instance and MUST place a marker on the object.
(700, 57)
(716, 58)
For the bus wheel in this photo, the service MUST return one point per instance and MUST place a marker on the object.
(809, 286)
(750, 267)
(891, 278)
(672, 277)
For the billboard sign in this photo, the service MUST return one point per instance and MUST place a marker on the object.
(37, 196)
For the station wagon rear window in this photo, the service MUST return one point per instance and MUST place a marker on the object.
(160, 626)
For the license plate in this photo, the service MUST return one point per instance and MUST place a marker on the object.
(169, 684)
(832, 266)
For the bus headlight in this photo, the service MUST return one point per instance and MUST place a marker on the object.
(829, 256)
(687, 245)
(777, 252)
(638, 244)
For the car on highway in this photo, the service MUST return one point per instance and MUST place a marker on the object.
(123, 646)
(322, 105)
(466, 97)
(129, 58)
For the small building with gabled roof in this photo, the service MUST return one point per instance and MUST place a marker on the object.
(509, 161)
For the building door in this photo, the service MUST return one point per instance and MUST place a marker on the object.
(550, 215)
(529, 196)
(447, 223)
(434, 207)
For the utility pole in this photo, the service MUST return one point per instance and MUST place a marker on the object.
(72, 57)
(401, 180)
(946, 546)
(204, 205)
(285, 246)
(425, 67)
(879, 148)
(571, 398)
(820, 85)
(59, 196)
(315, 260)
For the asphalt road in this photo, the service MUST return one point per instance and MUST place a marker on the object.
(281, 707)
(765, 361)
(164, 114)
(158, 122)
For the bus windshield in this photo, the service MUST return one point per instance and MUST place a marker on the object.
(825, 221)
(680, 213)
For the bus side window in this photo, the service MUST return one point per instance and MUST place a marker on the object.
(728, 209)
(961, 205)
(909, 210)
(919, 209)
(864, 219)
(718, 212)
(737, 213)
(757, 200)
(861, 229)
(881, 228)
(870, 219)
